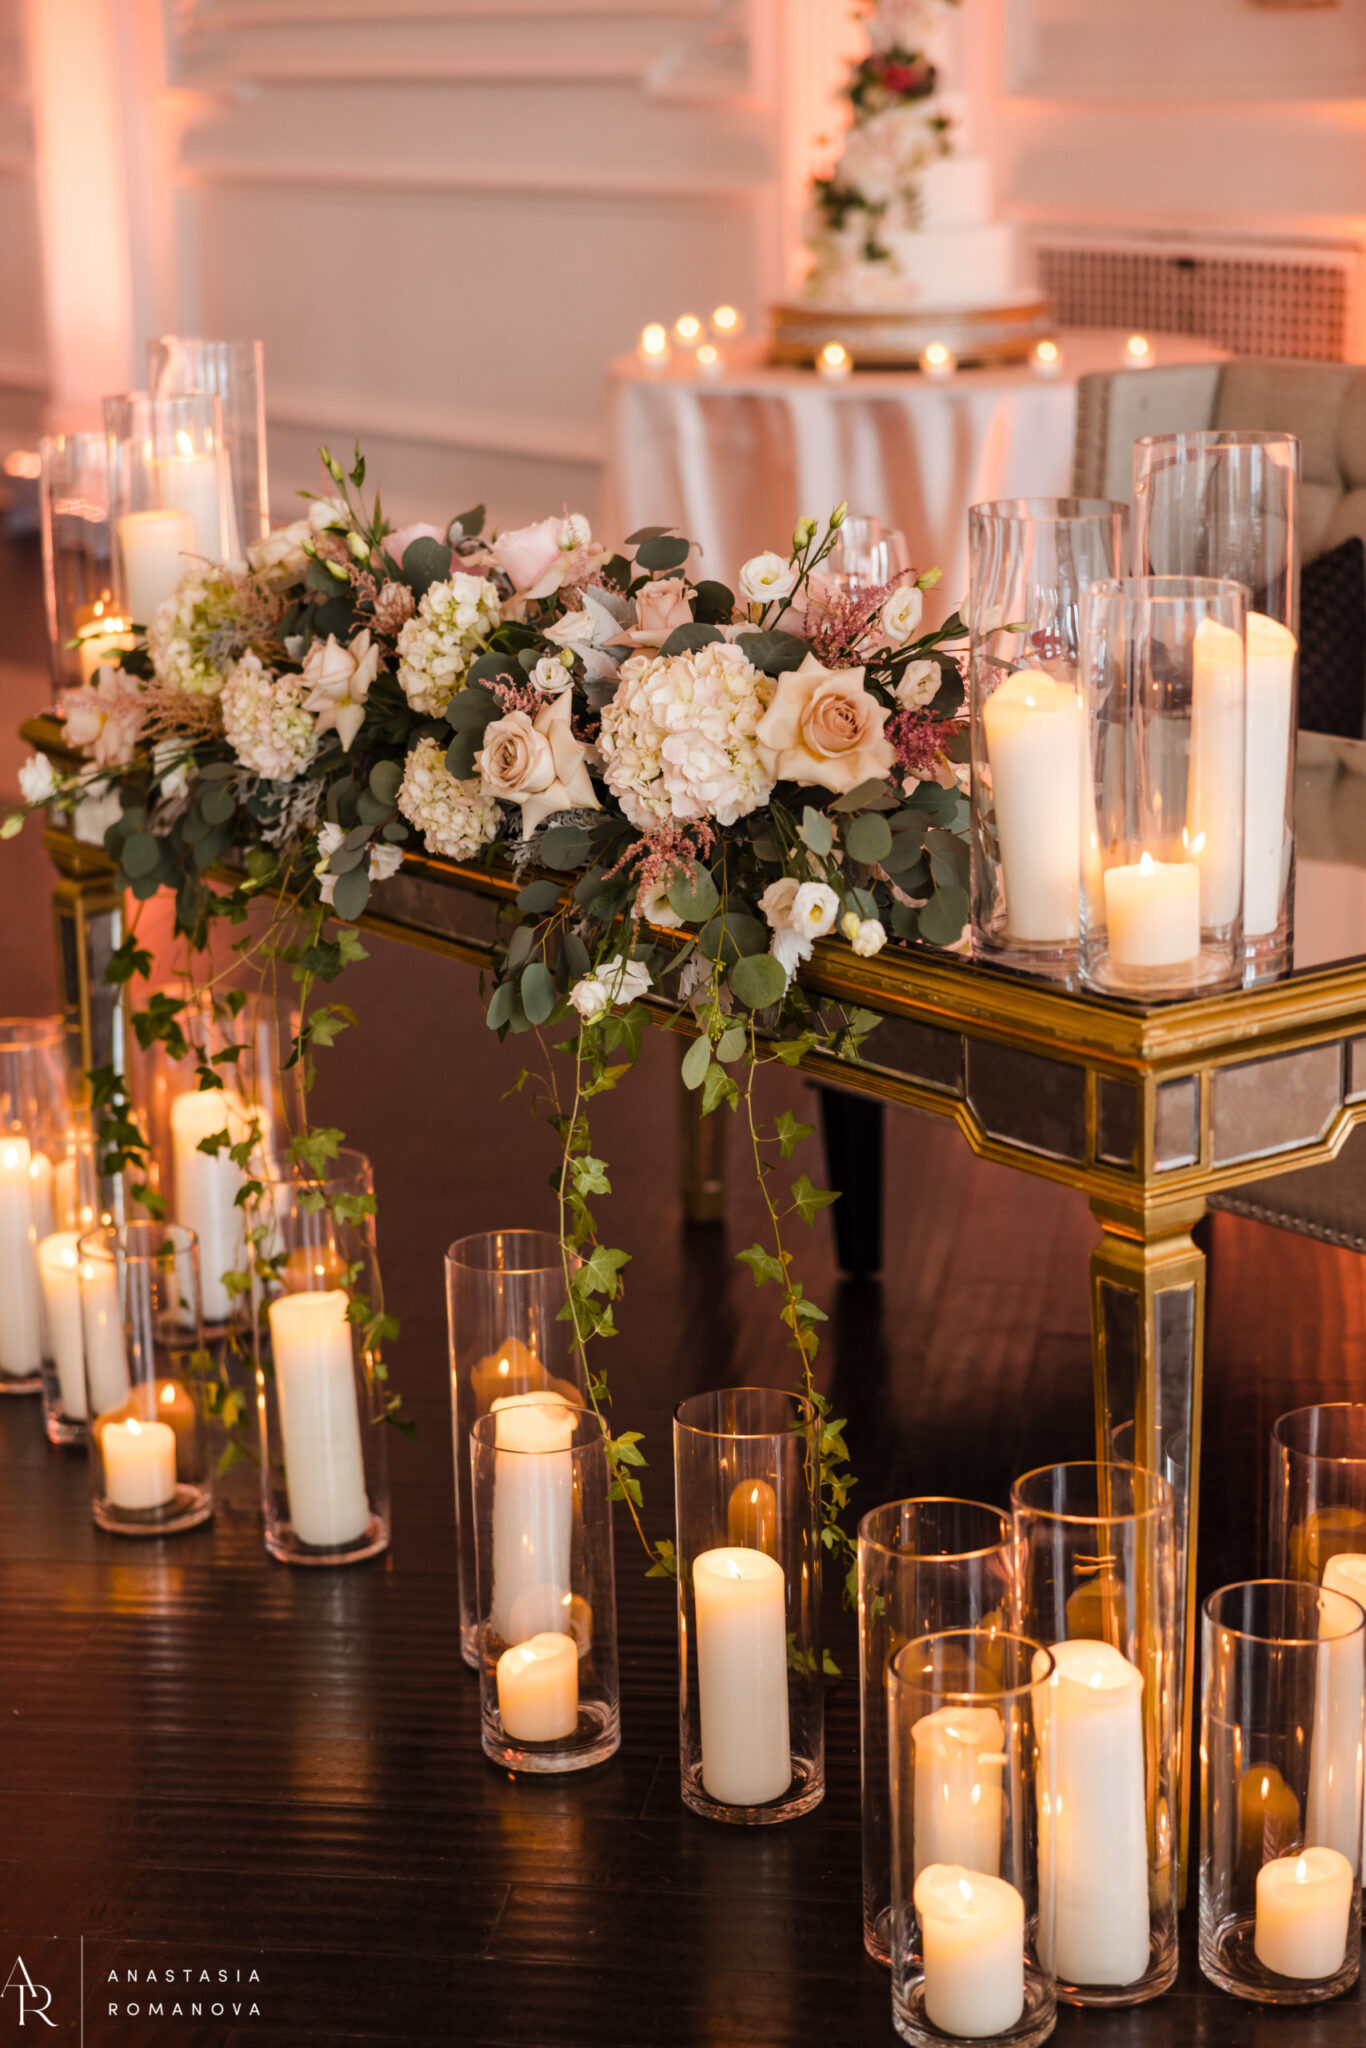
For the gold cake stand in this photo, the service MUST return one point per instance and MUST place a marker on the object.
(886, 339)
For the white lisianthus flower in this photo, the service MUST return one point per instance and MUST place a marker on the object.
(94, 815)
(815, 906)
(766, 577)
(615, 982)
(37, 780)
(437, 645)
(575, 629)
(870, 937)
(265, 721)
(455, 818)
(338, 681)
(790, 944)
(385, 860)
(919, 685)
(280, 557)
(551, 675)
(902, 613)
(789, 948)
(328, 515)
(678, 738)
(654, 906)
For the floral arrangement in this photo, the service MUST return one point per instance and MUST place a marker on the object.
(898, 128)
(693, 785)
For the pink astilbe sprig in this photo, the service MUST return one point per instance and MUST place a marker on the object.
(921, 742)
(671, 849)
(842, 620)
(517, 696)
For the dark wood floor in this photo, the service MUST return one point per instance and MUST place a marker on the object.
(211, 1763)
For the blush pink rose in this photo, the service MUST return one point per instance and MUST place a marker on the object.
(106, 719)
(824, 728)
(660, 606)
(533, 557)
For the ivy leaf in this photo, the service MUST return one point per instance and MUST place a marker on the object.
(758, 980)
(693, 897)
(868, 838)
(696, 1061)
(816, 831)
(718, 1088)
(600, 1272)
(761, 1264)
(790, 1132)
(665, 1565)
(538, 992)
(808, 1201)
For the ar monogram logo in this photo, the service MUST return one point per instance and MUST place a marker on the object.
(34, 1999)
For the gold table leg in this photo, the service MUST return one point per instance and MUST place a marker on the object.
(1148, 1341)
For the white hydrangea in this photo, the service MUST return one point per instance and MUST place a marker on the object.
(439, 642)
(199, 631)
(678, 737)
(265, 721)
(453, 817)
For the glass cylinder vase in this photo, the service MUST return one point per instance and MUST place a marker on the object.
(970, 1794)
(77, 1202)
(1030, 561)
(235, 371)
(319, 1376)
(1226, 504)
(505, 1290)
(1162, 894)
(84, 624)
(545, 1591)
(1094, 1557)
(170, 495)
(193, 1130)
(144, 1355)
(1318, 1494)
(924, 1566)
(751, 1697)
(1281, 1732)
(35, 1119)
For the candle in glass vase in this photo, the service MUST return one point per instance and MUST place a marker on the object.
(1093, 1831)
(533, 1515)
(972, 1939)
(538, 1688)
(740, 1599)
(1337, 1782)
(315, 1385)
(1034, 734)
(1304, 1907)
(752, 1515)
(959, 1797)
(1268, 1820)
(155, 547)
(1152, 913)
(21, 1328)
(1270, 734)
(1214, 793)
(139, 1463)
(59, 1271)
(207, 1184)
(106, 1360)
(98, 636)
(191, 484)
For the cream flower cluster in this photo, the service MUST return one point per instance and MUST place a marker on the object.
(454, 817)
(440, 641)
(678, 738)
(198, 632)
(265, 721)
(383, 862)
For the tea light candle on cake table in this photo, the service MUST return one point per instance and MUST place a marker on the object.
(139, 1463)
(740, 1599)
(834, 362)
(727, 323)
(1047, 359)
(1304, 1906)
(972, 1937)
(688, 332)
(938, 363)
(710, 362)
(538, 1688)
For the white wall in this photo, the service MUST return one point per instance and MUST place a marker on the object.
(23, 358)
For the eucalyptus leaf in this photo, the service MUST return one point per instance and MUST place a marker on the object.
(773, 652)
(425, 561)
(693, 897)
(336, 617)
(395, 832)
(758, 980)
(537, 991)
(385, 778)
(371, 810)
(688, 638)
(141, 854)
(905, 921)
(871, 795)
(731, 1044)
(564, 846)
(943, 917)
(461, 752)
(949, 859)
(732, 937)
(816, 831)
(714, 602)
(468, 525)
(520, 946)
(908, 864)
(493, 667)
(696, 1060)
(644, 533)
(868, 837)
(576, 956)
(538, 897)
(345, 858)
(663, 553)
(218, 804)
(352, 893)
(474, 706)
(500, 1005)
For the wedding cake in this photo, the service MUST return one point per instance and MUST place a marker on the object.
(904, 246)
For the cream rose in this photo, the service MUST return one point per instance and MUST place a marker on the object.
(536, 763)
(551, 675)
(660, 606)
(766, 577)
(824, 728)
(338, 680)
(902, 612)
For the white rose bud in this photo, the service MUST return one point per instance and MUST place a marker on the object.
(552, 674)
(589, 997)
(870, 938)
(849, 925)
(901, 613)
(766, 577)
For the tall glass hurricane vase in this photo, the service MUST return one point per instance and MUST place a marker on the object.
(1318, 1496)
(1031, 559)
(923, 1566)
(235, 372)
(751, 1702)
(1094, 1555)
(1226, 504)
(35, 1119)
(83, 620)
(505, 1290)
(170, 494)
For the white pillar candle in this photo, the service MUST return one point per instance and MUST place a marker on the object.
(1270, 741)
(959, 1798)
(315, 1385)
(533, 1515)
(207, 1184)
(189, 483)
(538, 1688)
(155, 546)
(21, 1328)
(42, 1201)
(1304, 1905)
(1152, 913)
(740, 1600)
(139, 1463)
(1214, 790)
(96, 648)
(59, 1271)
(972, 1940)
(1034, 736)
(1337, 1782)
(1093, 1835)
(106, 1359)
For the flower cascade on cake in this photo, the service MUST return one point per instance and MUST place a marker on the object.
(903, 221)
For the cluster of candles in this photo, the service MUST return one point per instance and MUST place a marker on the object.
(696, 343)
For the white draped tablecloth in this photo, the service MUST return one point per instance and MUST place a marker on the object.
(734, 460)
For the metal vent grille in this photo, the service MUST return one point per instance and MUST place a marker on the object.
(1251, 302)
